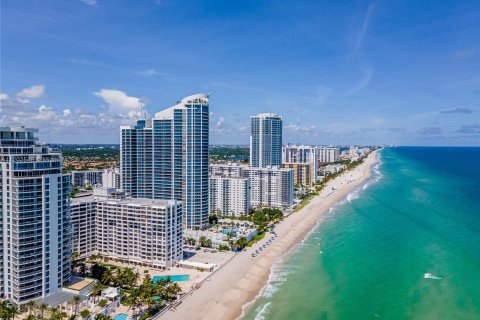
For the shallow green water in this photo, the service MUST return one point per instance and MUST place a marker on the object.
(407, 246)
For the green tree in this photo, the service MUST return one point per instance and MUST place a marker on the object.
(43, 307)
(31, 305)
(208, 243)
(107, 276)
(13, 312)
(202, 241)
(75, 301)
(96, 290)
(242, 243)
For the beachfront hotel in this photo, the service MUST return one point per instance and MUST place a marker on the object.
(266, 140)
(229, 196)
(143, 231)
(166, 157)
(35, 250)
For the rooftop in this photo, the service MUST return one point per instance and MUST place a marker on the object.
(267, 115)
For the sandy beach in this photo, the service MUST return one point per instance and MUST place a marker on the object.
(238, 283)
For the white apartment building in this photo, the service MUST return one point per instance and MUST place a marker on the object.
(229, 196)
(229, 169)
(90, 177)
(111, 178)
(83, 211)
(144, 231)
(328, 154)
(270, 187)
(35, 238)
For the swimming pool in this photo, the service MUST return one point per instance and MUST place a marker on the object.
(121, 316)
(177, 278)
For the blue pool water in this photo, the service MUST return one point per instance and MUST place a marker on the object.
(121, 316)
(177, 278)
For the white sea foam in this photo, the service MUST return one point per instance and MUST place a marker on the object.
(262, 310)
(353, 195)
(431, 276)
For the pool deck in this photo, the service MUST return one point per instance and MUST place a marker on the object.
(195, 276)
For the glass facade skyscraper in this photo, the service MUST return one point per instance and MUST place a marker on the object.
(35, 224)
(166, 157)
(266, 140)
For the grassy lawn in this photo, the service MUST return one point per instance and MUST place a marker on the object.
(305, 201)
(256, 238)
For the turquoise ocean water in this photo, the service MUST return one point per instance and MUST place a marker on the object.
(404, 246)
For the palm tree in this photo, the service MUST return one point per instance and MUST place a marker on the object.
(43, 307)
(102, 317)
(202, 240)
(13, 312)
(76, 300)
(208, 243)
(96, 290)
(107, 276)
(30, 306)
(4, 309)
(171, 291)
(54, 313)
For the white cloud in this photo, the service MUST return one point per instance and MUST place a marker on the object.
(92, 3)
(46, 113)
(3, 96)
(363, 30)
(148, 72)
(297, 129)
(220, 121)
(66, 112)
(119, 102)
(36, 91)
(363, 82)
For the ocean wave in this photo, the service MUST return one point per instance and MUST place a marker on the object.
(262, 310)
(431, 276)
(277, 280)
(353, 195)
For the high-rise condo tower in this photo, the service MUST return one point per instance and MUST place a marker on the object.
(166, 157)
(266, 140)
(35, 225)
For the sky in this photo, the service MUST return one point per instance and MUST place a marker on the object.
(338, 72)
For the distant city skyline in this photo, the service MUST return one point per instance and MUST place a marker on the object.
(360, 72)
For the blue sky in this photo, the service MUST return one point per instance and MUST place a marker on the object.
(339, 72)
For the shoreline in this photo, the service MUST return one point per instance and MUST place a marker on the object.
(232, 291)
